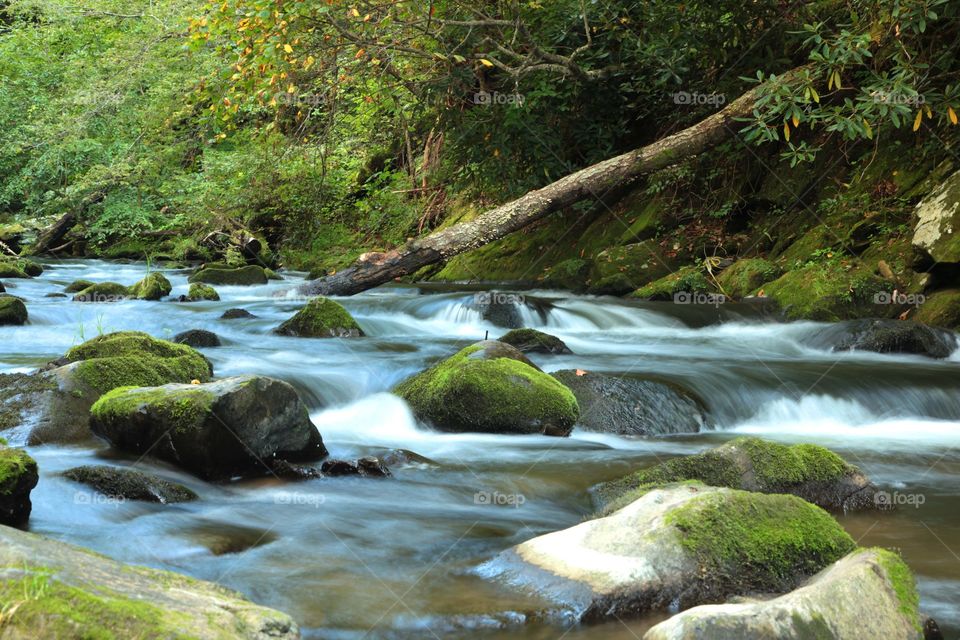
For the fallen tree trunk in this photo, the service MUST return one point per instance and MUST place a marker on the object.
(53, 234)
(373, 269)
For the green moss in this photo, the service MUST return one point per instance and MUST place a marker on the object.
(531, 340)
(751, 542)
(186, 408)
(14, 464)
(11, 270)
(152, 287)
(202, 292)
(103, 292)
(272, 275)
(747, 275)
(224, 275)
(622, 269)
(44, 607)
(321, 318)
(686, 279)
(571, 274)
(942, 309)
(12, 311)
(903, 583)
(126, 343)
(829, 292)
(78, 285)
(475, 393)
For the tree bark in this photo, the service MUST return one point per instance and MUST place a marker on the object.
(373, 269)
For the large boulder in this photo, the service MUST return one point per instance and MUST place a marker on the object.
(12, 311)
(888, 336)
(231, 427)
(53, 405)
(130, 484)
(18, 477)
(829, 292)
(747, 275)
(499, 309)
(809, 471)
(678, 545)
(224, 275)
(490, 387)
(153, 287)
(940, 309)
(533, 341)
(621, 269)
(62, 591)
(937, 233)
(868, 594)
(321, 318)
(630, 406)
(103, 292)
(19, 268)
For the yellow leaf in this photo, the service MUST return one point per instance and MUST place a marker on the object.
(866, 125)
(919, 119)
(816, 96)
(486, 62)
(356, 14)
(836, 79)
(292, 88)
(952, 114)
(796, 121)
(288, 48)
(786, 131)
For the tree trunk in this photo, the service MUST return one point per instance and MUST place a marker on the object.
(373, 269)
(52, 235)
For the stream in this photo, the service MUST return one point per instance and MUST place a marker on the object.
(397, 558)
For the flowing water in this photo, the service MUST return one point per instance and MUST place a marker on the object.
(397, 558)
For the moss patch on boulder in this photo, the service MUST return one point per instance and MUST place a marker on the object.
(18, 477)
(103, 292)
(829, 292)
(129, 484)
(621, 269)
(483, 388)
(153, 287)
(941, 309)
(225, 275)
(533, 341)
(78, 285)
(747, 275)
(200, 292)
(686, 279)
(12, 311)
(19, 268)
(321, 318)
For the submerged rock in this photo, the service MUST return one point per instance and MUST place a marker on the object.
(18, 477)
(236, 314)
(78, 285)
(153, 287)
(490, 387)
(53, 405)
(868, 594)
(128, 484)
(198, 338)
(628, 406)
(533, 341)
(75, 593)
(321, 318)
(198, 292)
(890, 336)
(103, 292)
(12, 311)
(499, 309)
(678, 545)
(809, 471)
(232, 427)
(224, 275)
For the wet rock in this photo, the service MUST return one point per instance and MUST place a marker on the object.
(236, 314)
(223, 539)
(628, 406)
(78, 285)
(199, 292)
(868, 594)
(809, 471)
(223, 275)
(18, 477)
(53, 405)
(321, 318)
(19, 268)
(678, 545)
(533, 341)
(103, 292)
(404, 457)
(339, 468)
(499, 309)
(890, 336)
(198, 339)
(12, 311)
(938, 221)
(153, 287)
(2, 288)
(490, 387)
(56, 295)
(287, 471)
(373, 466)
(219, 430)
(88, 595)
(128, 484)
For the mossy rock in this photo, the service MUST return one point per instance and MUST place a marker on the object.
(940, 309)
(622, 269)
(129, 484)
(533, 341)
(684, 280)
(18, 477)
(11, 270)
(677, 546)
(78, 285)
(829, 292)
(153, 287)
(61, 591)
(809, 471)
(103, 292)
(200, 292)
(747, 275)
(272, 275)
(198, 338)
(887, 336)
(12, 311)
(19, 268)
(938, 222)
(225, 275)
(489, 387)
(572, 275)
(321, 318)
